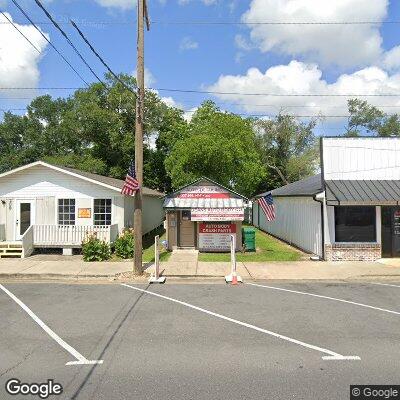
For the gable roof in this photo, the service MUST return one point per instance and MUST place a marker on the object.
(203, 178)
(110, 183)
(306, 187)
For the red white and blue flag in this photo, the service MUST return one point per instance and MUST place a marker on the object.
(267, 205)
(131, 185)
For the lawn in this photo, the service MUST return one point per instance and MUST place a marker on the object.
(268, 249)
(148, 250)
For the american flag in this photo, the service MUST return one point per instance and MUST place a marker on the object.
(267, 205)
(131, 184)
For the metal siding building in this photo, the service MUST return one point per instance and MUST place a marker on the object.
(351, 211)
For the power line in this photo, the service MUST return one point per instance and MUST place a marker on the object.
(101, 59)
(48, 15)
(48, 41)
(21, 33)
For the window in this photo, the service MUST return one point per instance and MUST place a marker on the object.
(102, 211)
(66, 211)
(355, 224)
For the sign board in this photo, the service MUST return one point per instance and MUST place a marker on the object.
(84, 213)
(215, 237)
(217, 214)
(204, 192)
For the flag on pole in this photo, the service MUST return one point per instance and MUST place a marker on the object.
(267, 205)
(131, 184)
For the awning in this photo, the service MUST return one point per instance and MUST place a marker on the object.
(179, 203)
(372, 192)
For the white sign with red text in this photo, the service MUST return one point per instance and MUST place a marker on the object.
(217, 214)
(215, 237)
(204, 192)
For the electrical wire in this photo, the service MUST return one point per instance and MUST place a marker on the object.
(48, 41)
(21, 33)
(48, 15)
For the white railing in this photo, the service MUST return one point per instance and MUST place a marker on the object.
(27, 242)
(71, 235)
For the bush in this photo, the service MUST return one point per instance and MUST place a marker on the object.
(125, 244)
(94, 249)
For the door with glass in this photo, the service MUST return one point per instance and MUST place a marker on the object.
(24, 217)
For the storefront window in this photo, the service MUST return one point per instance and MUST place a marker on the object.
(66, 211)
(102, 212)
(355, 224)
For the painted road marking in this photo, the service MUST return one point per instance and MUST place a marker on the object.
(331, 355)
(81, 360)
(325, 297)
(384, 284)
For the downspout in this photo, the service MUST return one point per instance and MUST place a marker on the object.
(321, 202)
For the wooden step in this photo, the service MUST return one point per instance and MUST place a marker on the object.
(11, 250)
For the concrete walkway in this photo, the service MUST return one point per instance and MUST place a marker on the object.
(56, 267)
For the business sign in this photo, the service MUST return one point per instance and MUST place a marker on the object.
(216, 237)
(204, 192)
(84, 213)
(217, 214)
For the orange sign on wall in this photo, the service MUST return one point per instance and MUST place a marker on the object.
(84, 213)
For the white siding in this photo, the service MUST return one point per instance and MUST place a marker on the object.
(40, 181)
(45, 211)
(361, 158)
(298, 222)
(153, 213)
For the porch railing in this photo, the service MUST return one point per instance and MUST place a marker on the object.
(71, 235)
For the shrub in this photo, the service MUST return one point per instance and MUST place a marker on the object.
(125, 244)
(94, 249)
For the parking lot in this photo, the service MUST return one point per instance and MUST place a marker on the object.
(274, 340)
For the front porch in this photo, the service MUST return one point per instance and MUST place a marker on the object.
(54, 236)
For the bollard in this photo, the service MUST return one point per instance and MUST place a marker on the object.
(233, 278)
(156, 278)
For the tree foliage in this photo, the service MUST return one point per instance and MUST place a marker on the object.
(367, 118)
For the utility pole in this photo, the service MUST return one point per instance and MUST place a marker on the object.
(137, 223)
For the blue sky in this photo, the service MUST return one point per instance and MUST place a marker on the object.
(242, 58)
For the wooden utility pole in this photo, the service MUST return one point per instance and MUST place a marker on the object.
(141, 16)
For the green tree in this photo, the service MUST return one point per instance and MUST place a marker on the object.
(367, 118)
(220, 146)
(287, 148)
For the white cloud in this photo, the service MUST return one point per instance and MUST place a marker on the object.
(18, 59)
(187, 43)
(391, 59)
(301, 78)
(123, 4)
(344, 45)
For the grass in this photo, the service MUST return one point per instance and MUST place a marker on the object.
(268, 249)
(148, 251)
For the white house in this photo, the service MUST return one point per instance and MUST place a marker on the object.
(351, 211)
(44, 205)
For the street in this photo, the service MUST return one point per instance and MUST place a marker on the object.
(201, 341)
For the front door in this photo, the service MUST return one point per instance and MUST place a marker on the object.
(186, 230)
(24, 217)
(391, 231)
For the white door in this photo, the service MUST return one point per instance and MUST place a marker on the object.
(25, 217)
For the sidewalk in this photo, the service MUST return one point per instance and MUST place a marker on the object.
(46, 267)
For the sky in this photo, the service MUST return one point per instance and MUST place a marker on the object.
(237, 53)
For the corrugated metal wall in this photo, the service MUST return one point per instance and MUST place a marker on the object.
(298, 221)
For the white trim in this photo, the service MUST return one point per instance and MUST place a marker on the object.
(59, 169)
(17, 216)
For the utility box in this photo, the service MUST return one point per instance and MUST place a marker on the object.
(249, 239)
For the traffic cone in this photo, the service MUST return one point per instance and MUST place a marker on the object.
(234, 278)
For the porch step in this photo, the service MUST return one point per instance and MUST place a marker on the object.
(10, 250)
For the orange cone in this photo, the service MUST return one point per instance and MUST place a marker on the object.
(234, 279)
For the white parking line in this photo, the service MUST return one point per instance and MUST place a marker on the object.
(331, 355)
(325, 297)
(81, 360)
(384, 284)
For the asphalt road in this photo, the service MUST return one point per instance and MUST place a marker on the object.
(155, 348)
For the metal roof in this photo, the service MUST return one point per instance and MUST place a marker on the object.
(176, 202)
(306, 187)
(363, 191)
